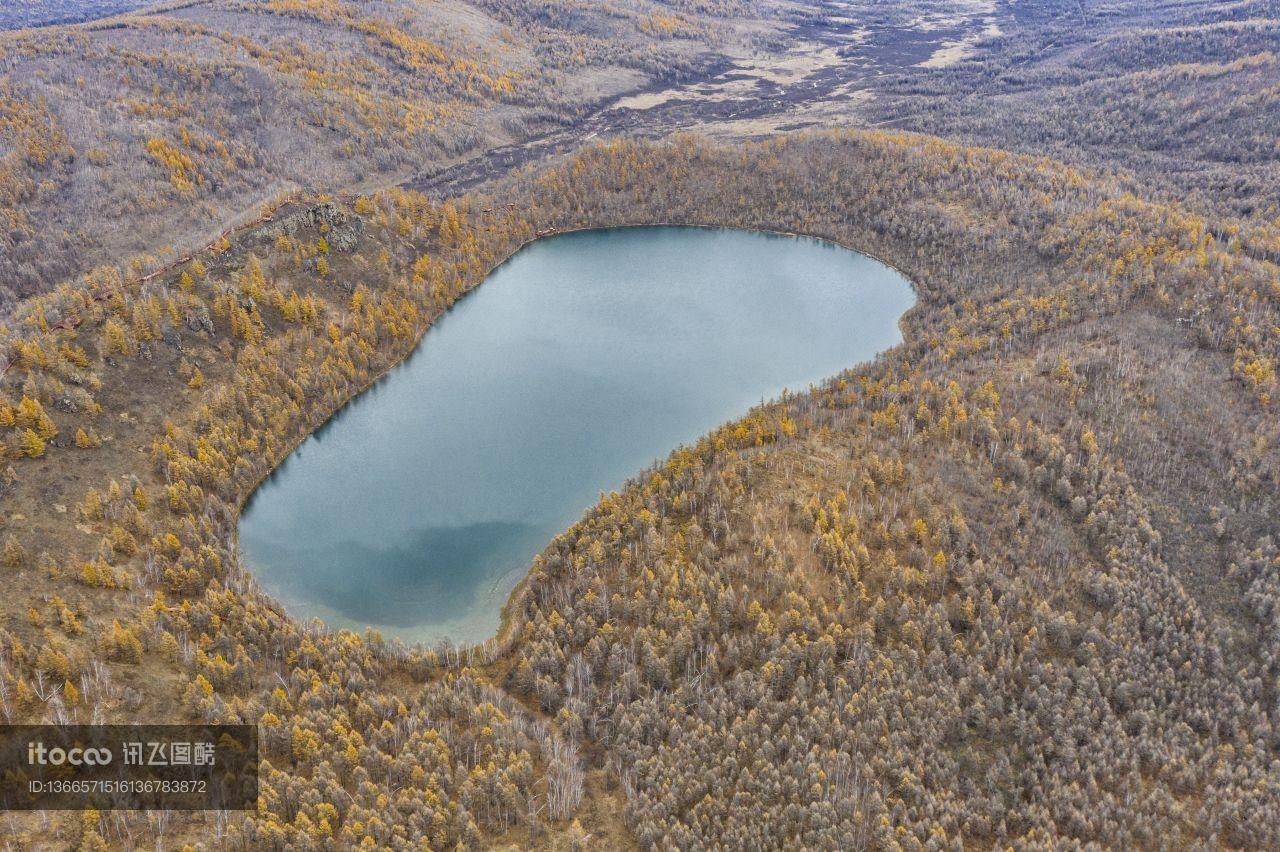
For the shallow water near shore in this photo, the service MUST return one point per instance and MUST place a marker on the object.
(581, 361)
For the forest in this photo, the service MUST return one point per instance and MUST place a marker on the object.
(18, 14)
(1181, 98)
(170, 123)
(1015, 583)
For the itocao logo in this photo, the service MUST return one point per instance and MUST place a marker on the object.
(38, 755)
(127, 767)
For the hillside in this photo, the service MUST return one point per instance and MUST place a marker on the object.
(149, 134)
(1184, 96)
(18, 14)
(1015, 582)
(179, 121)
(1178, 97)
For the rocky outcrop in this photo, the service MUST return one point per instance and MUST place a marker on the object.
(341, 230)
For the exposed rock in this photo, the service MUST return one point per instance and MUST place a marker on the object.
(199, 320)
(342, 229)
(346, 237)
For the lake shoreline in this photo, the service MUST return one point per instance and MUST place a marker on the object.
(510, 584)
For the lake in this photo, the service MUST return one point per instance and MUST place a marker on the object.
(577, 364)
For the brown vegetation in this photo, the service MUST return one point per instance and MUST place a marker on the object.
(1013, 583)
(1183, 98)
(125, 136)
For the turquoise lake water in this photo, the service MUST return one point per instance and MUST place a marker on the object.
(581, 361)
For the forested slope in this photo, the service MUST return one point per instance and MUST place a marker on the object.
(126, 136)
(1014, 583)
(1183, 95)
(17, 14)
(996, 587)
